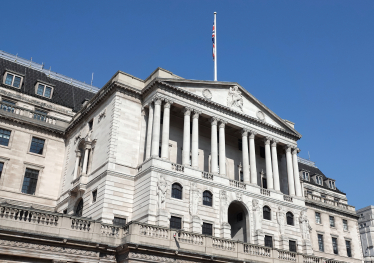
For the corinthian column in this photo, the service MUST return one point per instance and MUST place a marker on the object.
(195, 139)
(213, 145)
(186, 137)
(245, 156)
(296, 172)
(291, 182)
(275, 165)
(222, 149)
(252, 157)
(85, 159)
(149, 131)
(77, 158)
(269, 171)
(156, 128)
(165, 131)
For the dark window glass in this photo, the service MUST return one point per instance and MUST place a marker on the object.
(345, 225)
(37, 145)
(207, 198)
(30, 181)
(332, 221)
(318, 218)
(320, 243)
(241, 176)
(207, 229)
(176, 191)
(239, 217)
(289, 216)
(17, 82)
(240, 144)
(309, 192)
(335, 245)
(4, 137)
(268, 241)
(79, 209)
(323, 196)
(348, 246)
(40, 90)
(119, 221)
(65, 211)
(7, 105)
(1, 168)
(9, 79)
(47, 92)
(40, 115)
(264, 183)
(175, 222)
(90, 125)
(292, 245)
(94, 196)
(262, 152)
(336, 199)
(266, 212)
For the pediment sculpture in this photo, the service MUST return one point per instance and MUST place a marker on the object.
(235, 98)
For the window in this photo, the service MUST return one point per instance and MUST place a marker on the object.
(336, 199)
(90, 125)
(262, 152)
(332, 221)
(1, 168)
(319, 180)
(348, 246)
(320, 243)
(335, 245)
(318, 218)
(268, 241)
(264, 183)
(4, 137)
(289, 217)
(309, 192)
(240, 144)
(119, 221)
(239, 217)
(345, 225)
(37, 145)
(266, 211)
(175, 222)
(331, 184)
(79, 209)
(305, 176)
(65, 212)
(94, 196)
(323, 196)
(292, 245)
(176, 191)
(7, 105)
(207, 198)
(207, 229)
(241, 175)
(44, 90)
(30, 181)
(40, 115)
(13, 80)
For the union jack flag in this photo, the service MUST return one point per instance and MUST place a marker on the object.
(214, 46)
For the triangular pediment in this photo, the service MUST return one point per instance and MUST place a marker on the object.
(235, 97)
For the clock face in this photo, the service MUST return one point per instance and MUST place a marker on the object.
(260, 115)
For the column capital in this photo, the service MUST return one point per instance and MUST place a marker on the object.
(78, 153)
(187, 111)
(287, 148)
(157, 100)
(143, 111)
(295, 150)
(214, 120)
(274, 143)
(168, 103)
(244, 132)
(196, 114)
(252, 134)
(267, 140)
(222, 123)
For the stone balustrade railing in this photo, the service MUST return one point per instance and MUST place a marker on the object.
(257, 250)
(312, 259)
(329, 202)
(265, 191)
(38, 116)
(237, 184)
(191, 238)
(177, 167)
(287, 198)
(223, 244)
(287, 255)
(207, 175)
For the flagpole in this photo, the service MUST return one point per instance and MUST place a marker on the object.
(215, 46)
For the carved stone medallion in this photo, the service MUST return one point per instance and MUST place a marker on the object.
(260, 115)
(207, 94)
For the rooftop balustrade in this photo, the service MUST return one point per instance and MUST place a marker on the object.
(330, 202)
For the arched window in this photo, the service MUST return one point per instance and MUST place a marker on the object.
(289, 217)
(207, 198)
(176, 191)
(79, 209)
(266, 212)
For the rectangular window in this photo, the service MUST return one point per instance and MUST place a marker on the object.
(175, 222)
(319, 180)
(318, 218)
(264, 183)
(90, 125)
(345, 225)
(323, 196)
(1, 168)
(292, 245)
(320, 243)
(7, 105)
(37, 145)
(332, 184)
(94, 196)
(348, 246)
(262, 152)
(240, 144)
(4, 137)
(30, 181)
(241, 179)
(335, 245)
(332, 221)
(40, 115)
(13, 80)
(268, 241)
(44, 90)
(119, 221)
(306, 176)
(207, 229)
(65, 211)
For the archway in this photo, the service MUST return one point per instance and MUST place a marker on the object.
(238, 219)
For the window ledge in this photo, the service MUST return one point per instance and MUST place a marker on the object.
(5, 147)
(36, 154)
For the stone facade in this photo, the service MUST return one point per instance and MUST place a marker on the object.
(159, 170)
(367, 235)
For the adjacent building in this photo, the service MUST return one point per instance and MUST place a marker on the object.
(164, 169)
(367, 232)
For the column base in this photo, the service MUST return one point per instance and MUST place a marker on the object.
(226, 230)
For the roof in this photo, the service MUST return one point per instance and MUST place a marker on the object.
(65, 94)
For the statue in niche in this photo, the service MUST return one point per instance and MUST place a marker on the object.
(195, 195)
(235, 98)
(304, 226)
(280, 220)
(223, 206)
(161, 192)
(257, 215)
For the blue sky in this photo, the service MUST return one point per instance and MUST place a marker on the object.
(311, 62)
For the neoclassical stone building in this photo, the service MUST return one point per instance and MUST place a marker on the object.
(157, 170)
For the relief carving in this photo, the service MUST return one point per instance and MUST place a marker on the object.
(280, 220)
(257, 215)
(161, 192)
(223, 206)
(235, 98)
(102, 115)
(195, 195)
(304, 226)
